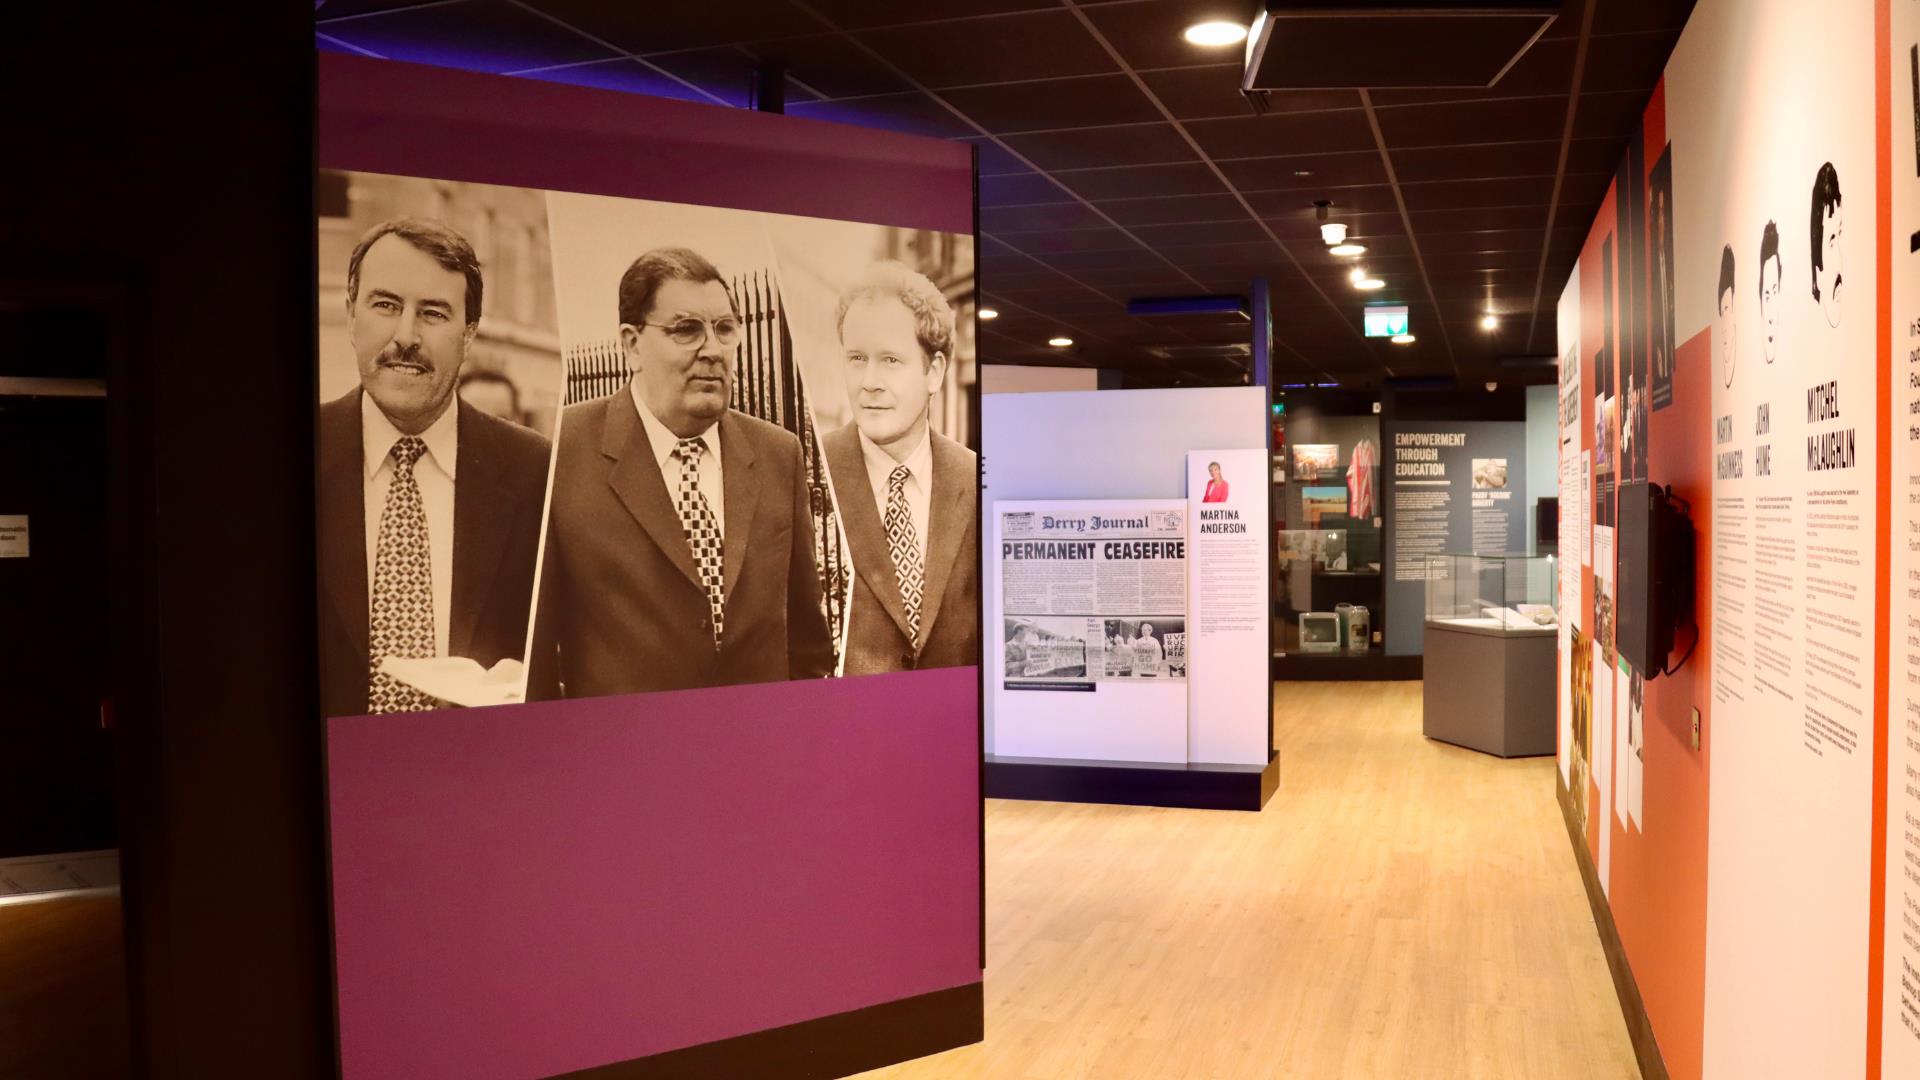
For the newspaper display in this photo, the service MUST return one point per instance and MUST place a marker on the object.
(1094, 596)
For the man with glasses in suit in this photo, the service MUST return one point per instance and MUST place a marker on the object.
(680, 537)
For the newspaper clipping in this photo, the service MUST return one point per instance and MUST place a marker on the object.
(1094, 596)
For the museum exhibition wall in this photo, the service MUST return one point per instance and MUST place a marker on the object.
(648, 551)
(1737, 349)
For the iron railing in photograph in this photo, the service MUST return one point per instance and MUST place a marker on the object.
(766, 384)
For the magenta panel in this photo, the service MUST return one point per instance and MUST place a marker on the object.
(526, 890)
(415, 120)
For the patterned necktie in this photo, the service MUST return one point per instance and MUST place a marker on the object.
(905, 545)
(401, 622)
(703, 530)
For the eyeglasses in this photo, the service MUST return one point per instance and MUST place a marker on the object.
(693, 330)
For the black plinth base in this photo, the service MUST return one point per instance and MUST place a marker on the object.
(1134, 783)
(831, 1046)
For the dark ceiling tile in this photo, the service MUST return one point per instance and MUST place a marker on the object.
(1595, 155)
(1035, 45)
(1143, 181)
(1020, 190)
(627, 75)
(1320, 171)
(726, 73)
(862, 13)
(1468, 194)
(1538, 158)
(1639, 16)
(831, 65)
(1481, 240)
(1627, 61)
(1176, 210)
(995, 161)
(1251, 252)
(1055, 103)
(475, 35)
(1088, 148)
(1611, 115)
(646, 28)
(1473, 262)
(1127, 281)
(1283, 135)
(327, 10)
(998, 219)
(1581, 195)
(1192, 93)
(1452, 220)
(916, 114)
(1148, 35)
(1189, 235)
(1133, 258)
(1058, 240)
(1511, 119)
(1347, 202)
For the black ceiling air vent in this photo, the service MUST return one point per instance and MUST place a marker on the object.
(1389, 44)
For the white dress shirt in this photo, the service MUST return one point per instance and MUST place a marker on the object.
(662, 443)
(918, 488)
(433, 473)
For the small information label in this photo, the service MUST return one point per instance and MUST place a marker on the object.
(13, 536)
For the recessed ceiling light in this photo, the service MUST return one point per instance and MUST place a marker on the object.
(1060, 341)
(1403, 339)
(989, 313)
(1349, 248)
(1357, 273)
(1303, 172)
(1216, 33)
(1370, 283)
(1489, 321)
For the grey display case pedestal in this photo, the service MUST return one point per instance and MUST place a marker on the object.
(1489, 689)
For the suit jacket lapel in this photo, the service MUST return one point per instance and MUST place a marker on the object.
(635, 479)
(343, 517)
(865, 530)
(742, 488)
(952, 505)
(483, 517)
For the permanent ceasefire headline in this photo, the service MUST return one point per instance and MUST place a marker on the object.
(1083, 549)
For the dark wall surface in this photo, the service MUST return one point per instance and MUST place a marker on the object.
(163, 162)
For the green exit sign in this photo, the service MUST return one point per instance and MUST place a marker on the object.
(1385, 320)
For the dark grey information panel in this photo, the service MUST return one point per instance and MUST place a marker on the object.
(1450, 487)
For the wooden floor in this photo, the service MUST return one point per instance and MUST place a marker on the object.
(1402, 909)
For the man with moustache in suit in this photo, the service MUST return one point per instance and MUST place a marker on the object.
(908, 496)
(429, 509)
(680, 538)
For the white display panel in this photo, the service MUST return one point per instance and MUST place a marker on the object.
(1229, 514)
(1068, 594)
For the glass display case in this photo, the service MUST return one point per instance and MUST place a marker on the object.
(1328, 517)
(1506, 593)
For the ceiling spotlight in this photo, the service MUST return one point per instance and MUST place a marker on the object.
(1358, 273)
(1347, 249)
(989, 313)
(1303, 172)
(1333, 233)
(1369, 283)
(1492, 386)
(1060, 341)
(1402, 339)
(1216, 33)
(1489, 321)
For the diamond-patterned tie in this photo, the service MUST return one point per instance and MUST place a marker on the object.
(905, 545)
(401, 616)
(703, 529)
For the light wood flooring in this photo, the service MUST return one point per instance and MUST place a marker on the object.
(1402, 909)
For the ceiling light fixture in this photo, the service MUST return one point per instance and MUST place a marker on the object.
(1489, 321)
(1060, 341)
(1349, 248)
(1358, 273)
(1216, 33)
(1403, 339)
(1369, 283)
(989, 313)
(1333, 233)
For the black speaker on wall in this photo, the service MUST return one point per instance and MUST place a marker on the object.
(1657, 588)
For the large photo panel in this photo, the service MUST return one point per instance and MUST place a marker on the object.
(439, 381)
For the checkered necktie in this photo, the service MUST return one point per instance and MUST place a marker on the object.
(703, 530)
(905, 545)
(401, 622)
